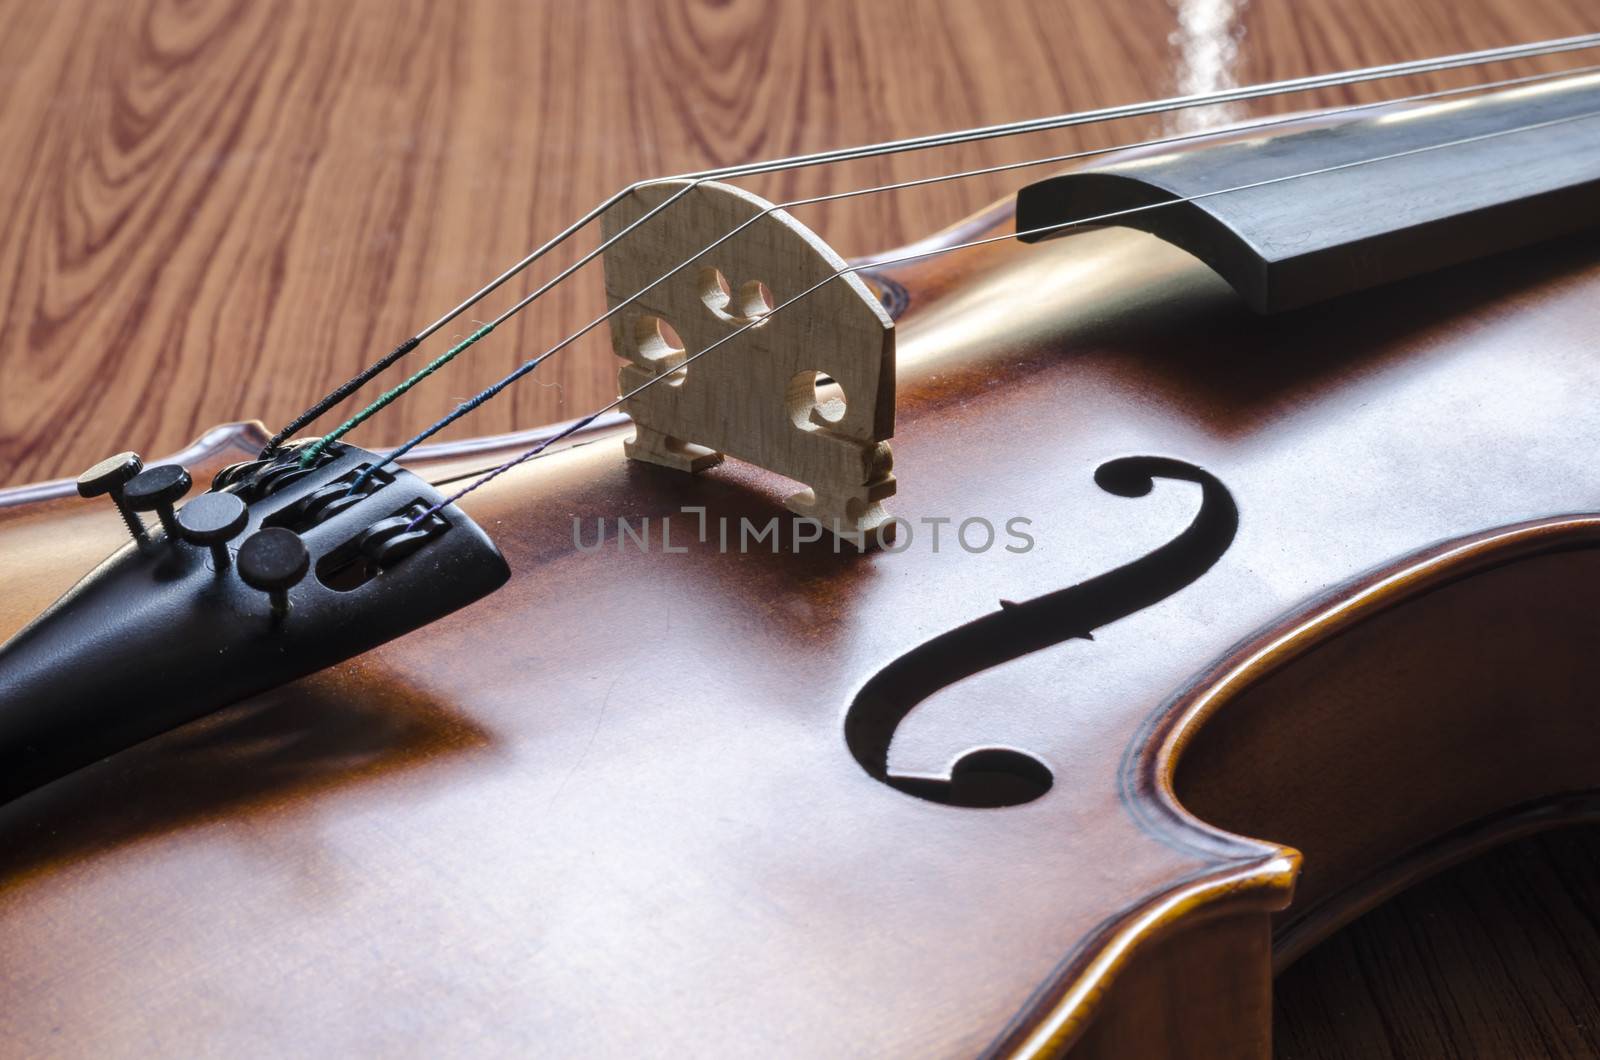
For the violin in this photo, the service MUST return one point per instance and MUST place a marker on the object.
(1021, 642)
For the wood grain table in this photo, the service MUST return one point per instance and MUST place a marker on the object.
(218, 210)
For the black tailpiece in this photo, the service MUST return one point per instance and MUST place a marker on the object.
(223, 600)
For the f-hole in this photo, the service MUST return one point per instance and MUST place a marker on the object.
(993, 776)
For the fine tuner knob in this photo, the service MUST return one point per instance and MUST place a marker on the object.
(213, 519)
(111, 476)
(157, 489)
(274, 560)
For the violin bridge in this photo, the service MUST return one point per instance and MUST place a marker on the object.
(807, 394)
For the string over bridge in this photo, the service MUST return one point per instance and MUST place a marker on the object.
(808, 395)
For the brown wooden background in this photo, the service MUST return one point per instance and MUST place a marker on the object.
(216, 210)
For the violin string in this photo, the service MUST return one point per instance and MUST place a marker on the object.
(527, 367)
(459, 476)
(366, 375)
(696, 179)
(579, 424)
(919, 143)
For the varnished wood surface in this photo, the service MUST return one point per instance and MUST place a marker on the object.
(216, 211)
(514, 815)
(1494, 958)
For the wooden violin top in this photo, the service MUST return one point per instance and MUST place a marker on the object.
(611, 806)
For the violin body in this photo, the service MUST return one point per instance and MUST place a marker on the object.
(1202, 633)
(612, 806)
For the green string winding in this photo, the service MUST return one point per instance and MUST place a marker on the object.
(383, 400)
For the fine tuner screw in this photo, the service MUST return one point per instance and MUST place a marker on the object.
(157, 489)
(213, 519)
(274, 560)
(110, 476)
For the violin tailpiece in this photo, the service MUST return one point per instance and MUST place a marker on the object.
(808, 394)
(276, 572)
